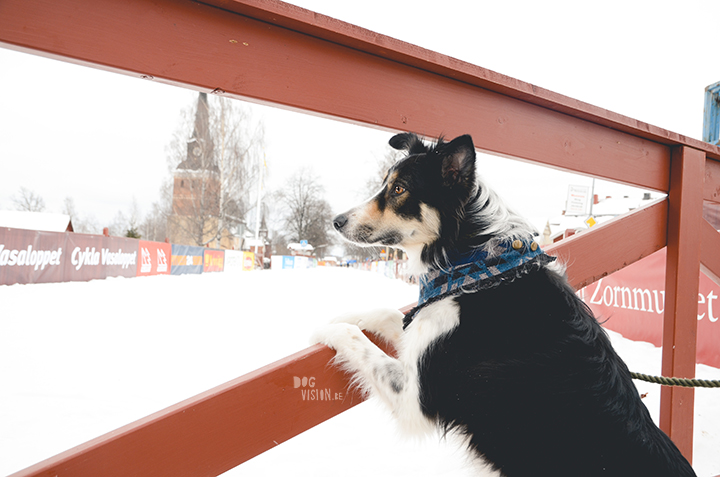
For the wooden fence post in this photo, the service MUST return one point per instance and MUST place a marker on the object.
(681, 290)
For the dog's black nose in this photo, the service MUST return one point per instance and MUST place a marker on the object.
(340, 221)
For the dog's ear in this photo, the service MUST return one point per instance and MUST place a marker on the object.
(458, 161)
(409, 142)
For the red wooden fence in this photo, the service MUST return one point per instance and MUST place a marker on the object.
(271, 52)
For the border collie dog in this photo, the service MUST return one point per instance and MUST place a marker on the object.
(499, 350)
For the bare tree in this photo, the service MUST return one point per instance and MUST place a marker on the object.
(82, 224)
(119, 225)
(127, 224)
(28, 201)
(307, 213)
(133, 220)
(154, 227)
(87, 224)
(69, 208)
(215, 161)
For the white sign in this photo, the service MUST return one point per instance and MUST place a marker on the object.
(577, 200)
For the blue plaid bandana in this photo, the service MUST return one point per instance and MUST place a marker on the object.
(474, 271)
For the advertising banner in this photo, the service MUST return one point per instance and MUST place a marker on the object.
(281, 262)
(36, 257)
(154, 258)
(233, 260)
(302, 262)
(91, 257)
(248, 261)
(632, 301)
(213, 260)
(187, 259)
(31, 257)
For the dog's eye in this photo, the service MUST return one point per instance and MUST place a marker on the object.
(398, 190)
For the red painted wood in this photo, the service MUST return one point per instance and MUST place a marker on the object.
(218, 429)
(681, 288)
(711, 189)
(211, 49)
(321, 26)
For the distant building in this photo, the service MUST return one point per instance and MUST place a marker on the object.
(302, 249)
(197, 189)
(260, 246)
(562, 226)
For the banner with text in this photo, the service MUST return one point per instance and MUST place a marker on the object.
(213, 260)
(632, 301)
(31, 257)
(39, 257)
(187, 259)
(91, 257)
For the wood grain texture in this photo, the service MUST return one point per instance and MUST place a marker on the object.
(681, 290)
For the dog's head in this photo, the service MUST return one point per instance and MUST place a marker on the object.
(421, 198)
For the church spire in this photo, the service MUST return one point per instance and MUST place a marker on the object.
(200, 146)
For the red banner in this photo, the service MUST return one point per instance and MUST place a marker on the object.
(154, 258)
(632, 301)
(214, 261)
(90, 257)
(31, 257)
(40, 257)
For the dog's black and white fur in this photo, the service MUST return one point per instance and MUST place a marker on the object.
(522, 370)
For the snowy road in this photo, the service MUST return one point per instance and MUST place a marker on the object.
(80, 359)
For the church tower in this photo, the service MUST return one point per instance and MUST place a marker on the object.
(196, 186)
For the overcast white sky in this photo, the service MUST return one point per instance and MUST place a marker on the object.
(70, 131)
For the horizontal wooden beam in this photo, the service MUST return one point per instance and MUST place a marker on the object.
(604, 249)
(374, 81)
(218, 429)
(330, 29)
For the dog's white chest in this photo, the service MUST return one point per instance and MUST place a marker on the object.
(431, 322)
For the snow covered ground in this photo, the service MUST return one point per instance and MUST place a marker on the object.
(80, 359)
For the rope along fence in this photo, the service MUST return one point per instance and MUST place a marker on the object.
(682, 382)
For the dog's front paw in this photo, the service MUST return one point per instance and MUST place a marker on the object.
(385, 322)
(338, 336)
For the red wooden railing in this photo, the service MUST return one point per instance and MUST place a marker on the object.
(267, 51)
